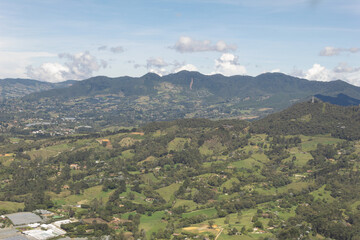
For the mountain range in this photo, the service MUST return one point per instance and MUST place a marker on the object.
(217, 86)
(102, 101)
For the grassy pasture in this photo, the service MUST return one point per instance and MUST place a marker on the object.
(247, 163)
(310, 142)
(191, 205)
(149, 178)
(128, 154)
(11, 206)
(210, 212)
(6, 160)
(321, 194)
(243, 220)
(168, 192)
(65, 198)
(152, 223)
(177, 144)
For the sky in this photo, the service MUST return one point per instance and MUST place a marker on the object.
(58, 40)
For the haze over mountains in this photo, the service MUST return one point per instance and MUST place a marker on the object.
(18, 87)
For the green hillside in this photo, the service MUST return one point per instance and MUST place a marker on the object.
(313, 118)
(195, 178)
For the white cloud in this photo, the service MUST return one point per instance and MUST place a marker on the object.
(228, 65)
(345, 68)
(159, 71)
(76, 67)
(187, 44)
(156, 65)
(187, 67)
(318, 73)
(50, 72)
(162, 67)
(341, 72)
(332, 51)
(13, 64)
(347, 73)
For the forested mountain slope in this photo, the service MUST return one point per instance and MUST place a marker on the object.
(341, 99)
(313, 118)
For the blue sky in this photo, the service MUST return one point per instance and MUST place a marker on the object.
(56, 40)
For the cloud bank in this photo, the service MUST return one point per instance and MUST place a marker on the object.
(189, 45)
(341, 72)
(76, 67)
(332, 51)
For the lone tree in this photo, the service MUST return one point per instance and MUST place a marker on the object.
(211, 223)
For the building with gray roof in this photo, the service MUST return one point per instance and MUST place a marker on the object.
(11, 234)
(18, 237)
(23, 218)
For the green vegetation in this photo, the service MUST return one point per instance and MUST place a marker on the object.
(6, 206)
(192, 178)
(340, 122)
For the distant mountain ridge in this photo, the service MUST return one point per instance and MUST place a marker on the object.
(19, 87)
(218, 85)
(341, 99)
(130, 101)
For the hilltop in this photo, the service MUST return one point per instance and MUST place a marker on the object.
(313, 118)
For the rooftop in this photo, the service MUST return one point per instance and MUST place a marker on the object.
(11, 234)
(23, 218)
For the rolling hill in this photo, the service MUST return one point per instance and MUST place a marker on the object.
(311, 118)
